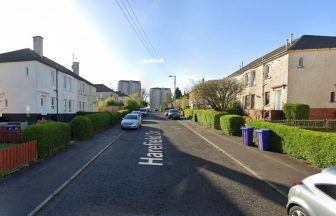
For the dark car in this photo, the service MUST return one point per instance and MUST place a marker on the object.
(174, 114)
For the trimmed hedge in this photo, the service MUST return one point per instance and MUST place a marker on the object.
(296, 111)
(317, 148)
(231, 124)
(49, 136)
(116, 117)
(81, 128)
(100, 120)
(208, 117)
(188, 113)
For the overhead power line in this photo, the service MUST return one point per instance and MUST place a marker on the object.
(137, 28)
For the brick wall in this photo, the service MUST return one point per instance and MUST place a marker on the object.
(322, 113)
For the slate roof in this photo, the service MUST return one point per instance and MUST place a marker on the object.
(102, 88)
(302, 43)
(31, 55)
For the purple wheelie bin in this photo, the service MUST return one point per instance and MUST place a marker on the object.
(247, 134)
(263, 137)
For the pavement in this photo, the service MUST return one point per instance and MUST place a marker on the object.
(190, 170)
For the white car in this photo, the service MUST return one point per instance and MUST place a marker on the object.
(131, 121)
(314, 195)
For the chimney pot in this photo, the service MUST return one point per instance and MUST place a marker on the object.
(75, 67)
(38, 45)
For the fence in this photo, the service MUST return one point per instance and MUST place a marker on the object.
(16, 156)
(309, 124)
(7, 136)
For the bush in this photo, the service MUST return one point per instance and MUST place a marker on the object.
(296, 111)
(81, 128)
(49, 136)
(317, 148)
(208, 117)
(100, 120)
(114, 103)
(231, 124)
(115, 117)
(124, 112)
(132, 105)
(188, 113)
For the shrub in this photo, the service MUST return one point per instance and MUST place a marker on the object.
(231, 124)
(208, 117)
(317, 148)
(49, 136)
(124, 112)
(81, 128)
(115, 117)
(114, 103)
(296, 111)
(100, 120)
(188, 113)
(132, 105)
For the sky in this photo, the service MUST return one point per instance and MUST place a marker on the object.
(193, 39)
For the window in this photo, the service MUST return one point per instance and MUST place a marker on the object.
(252, 79)
(267, 72)
(65, 105)
(332, 97)
(249, 78)
(246, 79)
(42, 101)
(27, 71)
(53, 103)
(300, 62)
(6, 102)
(79, 106)
(267, 98)
(247, 102)
(64, 82)
(328, 189)
(252, 101)
(52, 77)
(70, 105)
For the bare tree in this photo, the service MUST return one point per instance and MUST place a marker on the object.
(218, 93)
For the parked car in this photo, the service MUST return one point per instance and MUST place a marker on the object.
(166, 112)
(144, 111)
(131, 121)
(174, 114)
(138, 113)
(314, 195)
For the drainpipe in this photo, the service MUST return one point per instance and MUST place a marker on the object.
(56, 95)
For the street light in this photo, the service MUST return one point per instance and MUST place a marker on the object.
(174, 85)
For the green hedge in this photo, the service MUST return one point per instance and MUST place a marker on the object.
(208, 117)
(188, 113)
(81, 128)
(231, 124)
(49, 136)
(317, 148)
(296, 111)
(116, 117)
(124, 112)
(100, 120)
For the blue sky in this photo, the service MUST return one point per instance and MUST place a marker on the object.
(197, 39)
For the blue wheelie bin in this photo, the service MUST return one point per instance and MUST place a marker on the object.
(247, 134)
(263, 137)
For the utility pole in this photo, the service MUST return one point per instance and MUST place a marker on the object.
(174, 76)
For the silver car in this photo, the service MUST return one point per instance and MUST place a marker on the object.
(131, 121)
(314, 195)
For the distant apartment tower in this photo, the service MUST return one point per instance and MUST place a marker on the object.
(157, 96)
(129, 87)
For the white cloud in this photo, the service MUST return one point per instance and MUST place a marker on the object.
(152, 61)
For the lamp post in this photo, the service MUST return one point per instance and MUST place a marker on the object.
(174, 76)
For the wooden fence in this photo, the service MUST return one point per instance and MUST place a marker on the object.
(7, 136)
(309, 124)
(13, 157)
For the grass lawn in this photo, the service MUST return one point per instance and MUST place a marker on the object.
(6, 145)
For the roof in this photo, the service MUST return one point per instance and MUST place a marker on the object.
(129, 81)
(102, 88)
(302, 43)
(30, 55)
(120, 94)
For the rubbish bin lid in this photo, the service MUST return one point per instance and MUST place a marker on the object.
(263, 130)
(246, 127)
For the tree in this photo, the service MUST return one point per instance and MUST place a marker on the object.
(178, 93)
(184, 103)
(136, 96)
(132, 105)
(217, 93)
(167, 98)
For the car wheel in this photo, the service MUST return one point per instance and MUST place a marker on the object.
(122, 128)
(297, 211)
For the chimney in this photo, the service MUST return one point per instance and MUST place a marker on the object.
(38, 45)
(291, 38)
(75, 67)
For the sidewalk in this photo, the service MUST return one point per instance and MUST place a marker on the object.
(24, 190)
(270, 166)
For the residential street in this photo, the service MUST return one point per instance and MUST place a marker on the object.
(194, 179)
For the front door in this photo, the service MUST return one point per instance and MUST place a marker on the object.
(278, 102)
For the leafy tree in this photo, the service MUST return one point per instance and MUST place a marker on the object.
(178, 93)
(184, 103)
(136, 96)
(218, 93)
(167, 98)
(132, 105)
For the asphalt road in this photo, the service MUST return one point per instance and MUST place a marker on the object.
(194, 179)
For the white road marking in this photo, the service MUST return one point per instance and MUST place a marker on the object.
(66, 183)
(237, 161)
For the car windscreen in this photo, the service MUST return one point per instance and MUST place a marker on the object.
(131, 117)
(143, 110)
(173, 111)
